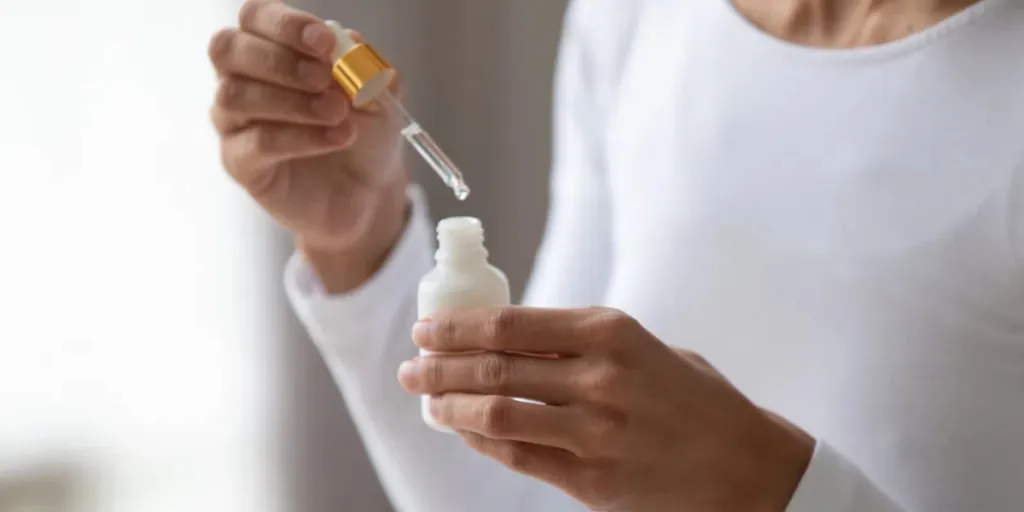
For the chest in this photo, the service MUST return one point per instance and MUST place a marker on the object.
(900, 169)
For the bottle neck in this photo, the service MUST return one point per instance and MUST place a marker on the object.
(461, 260)
(461, 243)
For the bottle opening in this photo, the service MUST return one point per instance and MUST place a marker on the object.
(457, 225)
(460, 236)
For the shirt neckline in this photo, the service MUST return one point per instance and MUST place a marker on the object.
(891, 49)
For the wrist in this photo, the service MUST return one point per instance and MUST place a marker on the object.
(783, 455)
(343, 269)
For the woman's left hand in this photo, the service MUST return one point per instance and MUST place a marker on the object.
(630, 425)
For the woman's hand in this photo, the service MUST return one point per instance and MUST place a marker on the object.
(630, 425)
(330, 173)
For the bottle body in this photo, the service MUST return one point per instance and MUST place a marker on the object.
(462, 279)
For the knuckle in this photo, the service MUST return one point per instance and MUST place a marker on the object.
(434, 373)
(282, 64)
(262, 141)
(518, 457)
(500, 323)
(494, 372)
(445, 331)
(239, 156)
(249, 12)
(220, 46)
(494, 416)
(610, 327)
(220, 122)
(693, 358)
(287, 26)
(603, 435)
(230, 94)
(617, 321)
(604, 384)
(700, 360)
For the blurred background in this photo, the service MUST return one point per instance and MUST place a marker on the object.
(148, 359)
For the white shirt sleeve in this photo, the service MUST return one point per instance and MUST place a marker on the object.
(365, 335)
(833, 484)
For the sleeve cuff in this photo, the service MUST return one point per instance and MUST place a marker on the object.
(359, 313)
(833, 483)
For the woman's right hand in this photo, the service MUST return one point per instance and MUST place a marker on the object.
(330, 173)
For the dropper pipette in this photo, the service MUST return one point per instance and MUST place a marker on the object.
(366, 76)
(428, 148)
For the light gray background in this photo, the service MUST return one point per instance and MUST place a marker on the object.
(478, 77)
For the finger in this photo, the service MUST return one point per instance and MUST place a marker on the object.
(299, 30)
(503, 329)
(224, 123)
(242, 54)
(262, 145)
(551, 465)
(493, 373)
(249, 100)
(500, 417)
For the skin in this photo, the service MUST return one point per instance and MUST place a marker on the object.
(846, 23)
(631, 424)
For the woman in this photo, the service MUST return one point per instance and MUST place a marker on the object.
(823, 198)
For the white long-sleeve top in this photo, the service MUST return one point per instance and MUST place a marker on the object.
(840, 232)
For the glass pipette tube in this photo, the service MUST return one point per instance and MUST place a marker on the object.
(427, 147)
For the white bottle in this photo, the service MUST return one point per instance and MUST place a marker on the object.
(462, 279)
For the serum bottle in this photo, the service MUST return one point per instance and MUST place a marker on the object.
(462, 279)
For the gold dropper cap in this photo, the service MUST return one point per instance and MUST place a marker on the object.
(366, 76)
(360, 71)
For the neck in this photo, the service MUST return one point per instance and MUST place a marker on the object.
(847, 23)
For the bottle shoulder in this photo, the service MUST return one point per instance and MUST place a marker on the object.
(459, 288)
(465, 276)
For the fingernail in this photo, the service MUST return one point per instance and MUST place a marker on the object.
(421, 331)
(318, 38)
(330, 105)
(407, 374)
(316, 75)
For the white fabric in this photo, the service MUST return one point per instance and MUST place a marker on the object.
(839, 231)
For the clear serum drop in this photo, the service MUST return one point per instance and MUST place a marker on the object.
(462, 279)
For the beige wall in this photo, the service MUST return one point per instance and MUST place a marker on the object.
(478, 77)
